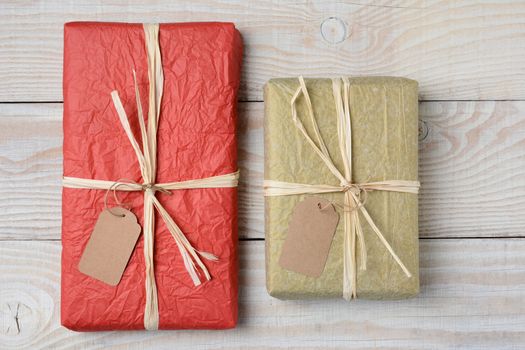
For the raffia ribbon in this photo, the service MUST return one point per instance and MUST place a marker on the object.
(147, 159)
(353, 230)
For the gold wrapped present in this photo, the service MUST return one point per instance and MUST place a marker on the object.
(353, 142)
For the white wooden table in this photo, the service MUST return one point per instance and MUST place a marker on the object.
(469, 58)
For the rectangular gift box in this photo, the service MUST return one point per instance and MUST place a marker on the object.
(384, 122)
(196, 139)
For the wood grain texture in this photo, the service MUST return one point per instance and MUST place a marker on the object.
(456, 49)
(469, 299)
(472, 170)
(30, 171)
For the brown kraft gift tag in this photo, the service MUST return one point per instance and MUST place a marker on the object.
(110, 246)
(310, 234)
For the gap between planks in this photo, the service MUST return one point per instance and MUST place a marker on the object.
(263, 239)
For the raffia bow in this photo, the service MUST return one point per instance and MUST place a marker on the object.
(353, 204)
(147, 159)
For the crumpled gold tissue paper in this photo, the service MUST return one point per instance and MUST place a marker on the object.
(384, 118)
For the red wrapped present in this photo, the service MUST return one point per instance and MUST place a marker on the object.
(178, 177)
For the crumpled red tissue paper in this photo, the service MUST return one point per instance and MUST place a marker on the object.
(196, 139)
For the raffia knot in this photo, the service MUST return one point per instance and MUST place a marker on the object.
(354, 188)
(153, 187)
(359, 192)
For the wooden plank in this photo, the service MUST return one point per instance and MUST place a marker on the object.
(469, 299)
(456, 49)
(31, 170)
(472, 167)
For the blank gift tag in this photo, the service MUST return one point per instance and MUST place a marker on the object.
(310, 234)
(110, 246)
